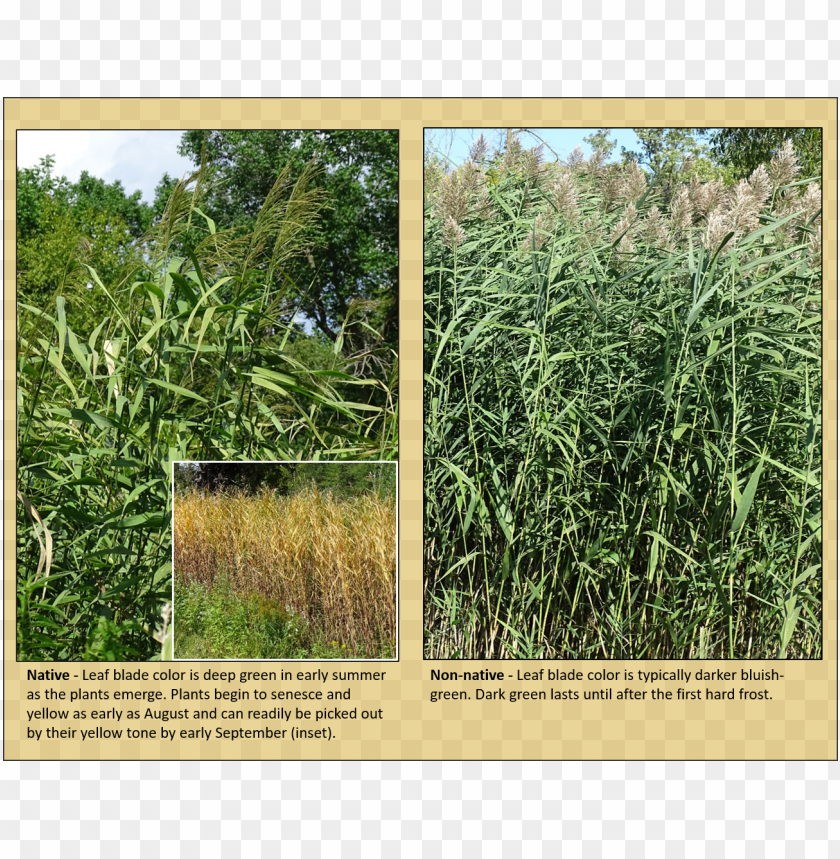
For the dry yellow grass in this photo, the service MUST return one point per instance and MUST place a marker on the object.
(331, 560)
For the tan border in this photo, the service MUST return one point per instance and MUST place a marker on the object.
(799, 723)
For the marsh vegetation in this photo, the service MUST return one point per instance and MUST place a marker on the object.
(304, 573)
(622, 407)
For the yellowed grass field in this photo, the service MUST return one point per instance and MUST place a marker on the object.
(331, 560)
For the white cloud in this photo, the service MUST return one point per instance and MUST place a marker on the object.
(137, 158)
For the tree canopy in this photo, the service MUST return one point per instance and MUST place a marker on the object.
(347, 279)
(746, 148)
(62, 224)
(287, 477)
(673, 156)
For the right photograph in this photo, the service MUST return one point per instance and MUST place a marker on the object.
(623, 393)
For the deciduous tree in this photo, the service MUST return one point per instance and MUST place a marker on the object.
(62, 224)
(349, 273)
(746, 148)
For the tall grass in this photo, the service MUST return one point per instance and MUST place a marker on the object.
(189, 361)
(622, 410)
(331, 561)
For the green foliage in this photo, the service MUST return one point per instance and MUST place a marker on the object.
(218, 623)
(106, 643)
(340, 479)
(622, 413)
(351, 251)
(746, 148)
(600, 142)
(61, 226)
(35, 185)
(91, 194)
(315, 351)
(673, 156)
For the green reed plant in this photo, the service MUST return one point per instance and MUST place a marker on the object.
(622, 410)
(189, 361)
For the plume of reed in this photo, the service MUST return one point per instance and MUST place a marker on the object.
(596, 162)
(811, 205)
(761, 186)
(681, 211)
(564, 198)
(433, 175)
(625, 228)
(717, 226)
(783, 166)
(743, 210)
(453, 233)
(575, 163)
(706, 197)
(611, 184)
(654, 229)
(633, 184)
(478, 150)
(512, 154)
(544, 225)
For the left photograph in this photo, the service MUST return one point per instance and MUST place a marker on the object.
(245, 312)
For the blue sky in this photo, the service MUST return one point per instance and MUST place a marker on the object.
(137, 158)
(454, 143)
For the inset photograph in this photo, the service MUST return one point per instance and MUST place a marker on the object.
(285, 560)
(623, 393)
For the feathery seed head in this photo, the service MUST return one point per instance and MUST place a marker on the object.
(611, 185)
(655, 230)
(575, 162)
(596, 162)
(681, 209)
(815, 249)
(761, 185)
(743, 209)
(478, 150)
(433, 175)
(716, 228)
(451, 201)
(563, 195)
(532, 165)
(783, 166)
(513, 150)
(626, 224)
(539, 235)
(811, 203)
(634, 183)
(453, 233)
(706, 197)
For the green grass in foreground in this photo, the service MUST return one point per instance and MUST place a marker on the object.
(216, 622)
